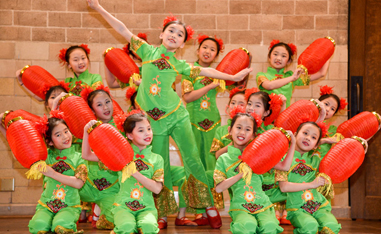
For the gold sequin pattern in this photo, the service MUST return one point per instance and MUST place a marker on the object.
(158, 175)
(216, 145)
(218, 177)
(81, 173)
(186, 86)
(195, 72)
(135, 43)
(280, 175)
(104, 224)
(96, 84)
(261, 79)
(218, 199)
(165, 202)
(326, 230)
(198, 193)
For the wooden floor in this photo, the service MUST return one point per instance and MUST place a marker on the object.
(20, 226)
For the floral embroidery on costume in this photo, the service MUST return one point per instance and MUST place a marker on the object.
(155, 113)
(267, 187)
(302, 169)
(252, 207)
(307, 195)
(136, 193)
(205, 104)
(135, 205)
(60, 194)
(56, 205)
(61, 167)
(154, 89)
(311, 206)
(206, 124)
(249, 195)
(206, 81)
(77, 88)
(162, 63)
(102, 183)
(140, 165)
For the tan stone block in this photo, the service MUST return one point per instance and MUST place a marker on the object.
(224, 119)
(75, 5)
(336, 22)
(110, 36)
(6, 17)
(212, 7)
(188, 53)
(15, 33)
(298, 22)
(32, 50)
(6, 158)
(54, 50)
(341, 197)
(247, 37)
(48, 34)
(273, 22)
(48, 5)
(153, 36)
(233, 22)
(338, 7)
(311, 7)
(94, 67)
(180, 6)
(38, 108)
(148, 6)
(302, 91)
(340, 36)
(341, 54)
(23, 195)
(221, 104)
(16, 164)
(97, 51)
(245, 7)
(5, 197)
(156, 20)
(201, 21)
(258, 53)
(82, 35)
(15, 4)
(20, 177)
(309, 36)
(7, 50)
(338, 71)
(134, 21)
(35, 183)
(94, 20)
(53, 67)
(30, 18)
(118, 6)
(7, 86)
(15, 103)
(340, 87)
(286, 36)
(59, 19)
(224, 35)
(278, 7)
(7, 68)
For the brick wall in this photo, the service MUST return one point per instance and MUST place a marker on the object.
(33, 32)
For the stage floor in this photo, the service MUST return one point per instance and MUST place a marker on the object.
(12, 225)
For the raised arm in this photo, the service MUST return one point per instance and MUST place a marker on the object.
(322, 72)
(19, 80)
(150, 184)
(286, 163)
(110, 79)
(87, 154)
(114, 22)
(213, 73)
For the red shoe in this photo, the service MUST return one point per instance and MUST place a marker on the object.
(94, 224)
(215, 222)
(184, 222)
(162, 223)
(277, 217)
(285, 221)
(203, 221)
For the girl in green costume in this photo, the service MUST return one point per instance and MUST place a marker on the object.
(307, 209)
(59, 207)
(102, 184)
(250, 208)
(134, 207)
(276, 79)
(162, 104)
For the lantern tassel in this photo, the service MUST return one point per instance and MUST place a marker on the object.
(128, 170)
(305, 77)
(135, 77)
(246, 172)
(222, 85)
(36, 169)
(327, 189)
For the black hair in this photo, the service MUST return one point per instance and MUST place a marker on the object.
(239, 92)
(93, 94)
(71, 49)
(288, 48)
(130, 122)
(179, 23)
(265, 98)
(132, 100)
(245, 115)
(211, 39)
(50, 91)
(52, 123)
(313, 123)
(334, 96)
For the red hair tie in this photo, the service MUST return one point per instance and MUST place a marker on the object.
(234, 91)
(86, 47)
(292, 46)
(201, 38)
(129, 92)
(142, 36)
(324, 128)
(343, 104)
(104, 88)
(236, 110)
(62, 55)
(86, 92)
(42, 125)
(324, 90)
(121, 118)
(57, 114)
(249, 92)
(189, 29)
(257, 119)
(168, 19)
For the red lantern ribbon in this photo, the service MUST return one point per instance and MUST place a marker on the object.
(163, 56)
(63, 158)
(240, 157)
(139, 156)
(298, 160)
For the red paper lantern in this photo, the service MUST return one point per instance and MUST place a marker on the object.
(111, 147)
(9, 114)
(261, 155)
(117, 110)
(343, 159)
(27, 145)
(364, 124)
(120, 64)
(299, 112)
(77, 113)
(35, 77)
(234, 62)
(317, 54)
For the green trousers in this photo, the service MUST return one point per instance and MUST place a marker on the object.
(45, 220)
(322, 220)
(127, 221)
(263, 222)
(204, 142)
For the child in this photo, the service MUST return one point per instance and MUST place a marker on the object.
(307, 209)
(76, 58)
(221, 138)
(59, 206)
(250, 208)
(134, 208)
(200, 96)
(276, 79)
(102, 184)
(162, 104)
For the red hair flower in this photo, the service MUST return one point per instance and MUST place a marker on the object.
(61, 56)
(293, 48)
(104, 88)
(65, 85)
(325, 90)
(86, 92)
(86, 47)
(275, 107)
(273, 43)
(236, 110)
(343, 104)
(42, 125)
(190, 32)
(249, 92)
(45, 88)
(129, 92)
(142, 36)
(324, 128)
(234, 91)
(168, 19)
(201, 38)
(257, 119)
(121, 118)
(57, 114)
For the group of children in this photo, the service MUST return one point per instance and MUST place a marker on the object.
(211, 153)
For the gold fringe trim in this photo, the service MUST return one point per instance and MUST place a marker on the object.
(305, 77)
(256, 212)
(198, 193)
(216, 145)
(165, 202)
(218, 199)
(222, 85)
(104, 224)
(326, 189)
(35, 170)
(128, 170)
(135, 77)
(246, 172)
(203, 130)
(326, 230)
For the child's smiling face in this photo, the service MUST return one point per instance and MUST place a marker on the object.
(173, 37)
(307, 138)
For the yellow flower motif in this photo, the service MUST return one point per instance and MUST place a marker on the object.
(136, 194)
(249, 196)
(60, 194)
(307, 195)
(204, 105)
(154, 89)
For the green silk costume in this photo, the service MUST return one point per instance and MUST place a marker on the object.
(84, 80)
(134, 208)
(59, 206)
(250, 208)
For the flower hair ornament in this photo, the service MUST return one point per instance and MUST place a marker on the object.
(275, 107)
(292, 46)
(236, 110)
(87, 91)
(142, 36)
(45, 88)
(325, 90)
(201, 38)
(234, 91)
(121, 118)
(324, 128)
(62, 54)
(249, 92)
(42, 125)
(189, 29)
(129, 92)
(257, 119)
